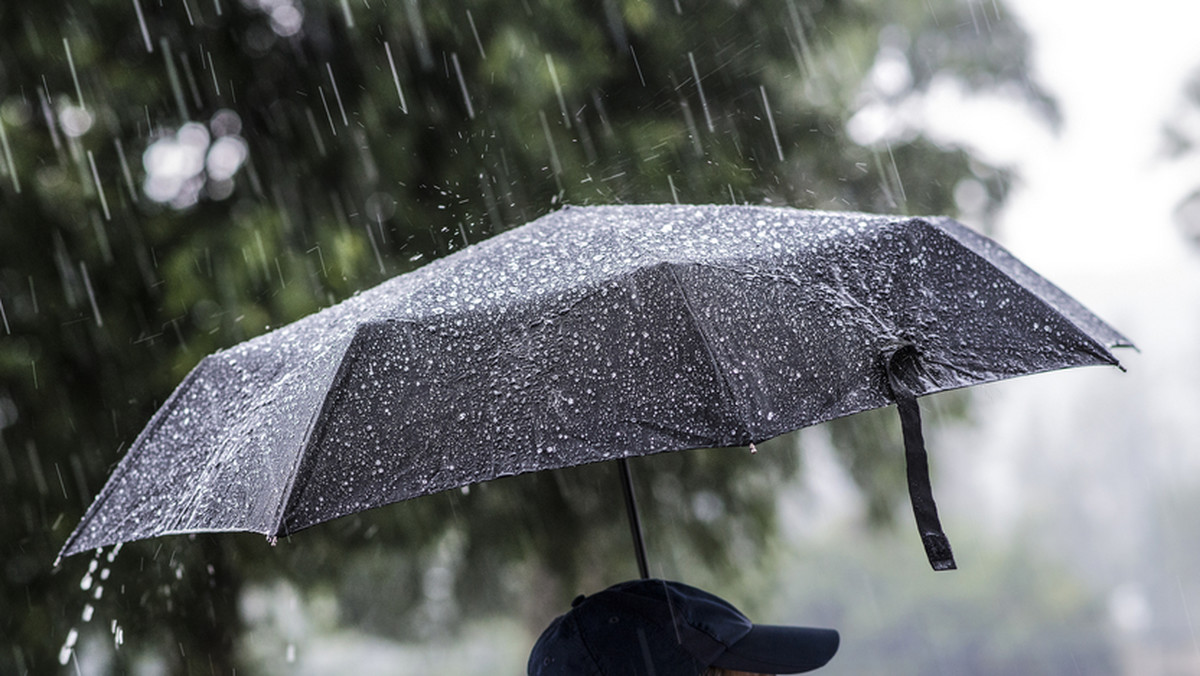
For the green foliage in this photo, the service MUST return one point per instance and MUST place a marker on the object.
(509, 110)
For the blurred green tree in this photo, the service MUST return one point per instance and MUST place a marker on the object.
(178, 177)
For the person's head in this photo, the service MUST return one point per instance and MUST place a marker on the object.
(671, 629)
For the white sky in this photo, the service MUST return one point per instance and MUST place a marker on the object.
(1093, 213)
(1097, 200)
(1105, 184)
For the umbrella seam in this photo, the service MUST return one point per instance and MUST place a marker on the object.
(726, 386)
(314, 432)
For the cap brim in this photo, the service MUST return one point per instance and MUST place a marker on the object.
(770, 649)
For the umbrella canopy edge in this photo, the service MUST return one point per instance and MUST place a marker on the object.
(72, 546)
(1051, 294)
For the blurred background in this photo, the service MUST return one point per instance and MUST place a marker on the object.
(177, 176)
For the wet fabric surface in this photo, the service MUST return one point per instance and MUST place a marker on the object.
(589, 334)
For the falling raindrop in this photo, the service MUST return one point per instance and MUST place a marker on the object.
(99, 187)
(86, 582)
(896, 174)
(125, 171)
(8, 157)
(771, 121)
(693, 131)
(328, 114)
(74, 74)
(316, 133)
(637, 66)
(68, 647)
(555, 163)
(475, 32)
(558, 91)
(173, 77)
(337, 95)
(375, 249)
(395, 78)
(137, 7)
(462, 83)
(416, 23)
(212, 71)
(700, 90)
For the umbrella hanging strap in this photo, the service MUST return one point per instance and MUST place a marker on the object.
(920, 492)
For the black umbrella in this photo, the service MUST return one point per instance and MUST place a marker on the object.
(591, 334)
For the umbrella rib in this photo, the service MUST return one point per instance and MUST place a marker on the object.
(726, 386)
(316, 427)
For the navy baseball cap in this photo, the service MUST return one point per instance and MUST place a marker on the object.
(661, 628)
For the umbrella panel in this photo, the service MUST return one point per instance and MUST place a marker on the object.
(607, 372)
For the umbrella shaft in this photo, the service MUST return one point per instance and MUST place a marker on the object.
(635, 523)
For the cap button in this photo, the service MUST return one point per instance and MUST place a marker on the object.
(578, 599)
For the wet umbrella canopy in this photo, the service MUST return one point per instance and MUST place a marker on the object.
(590, 334)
